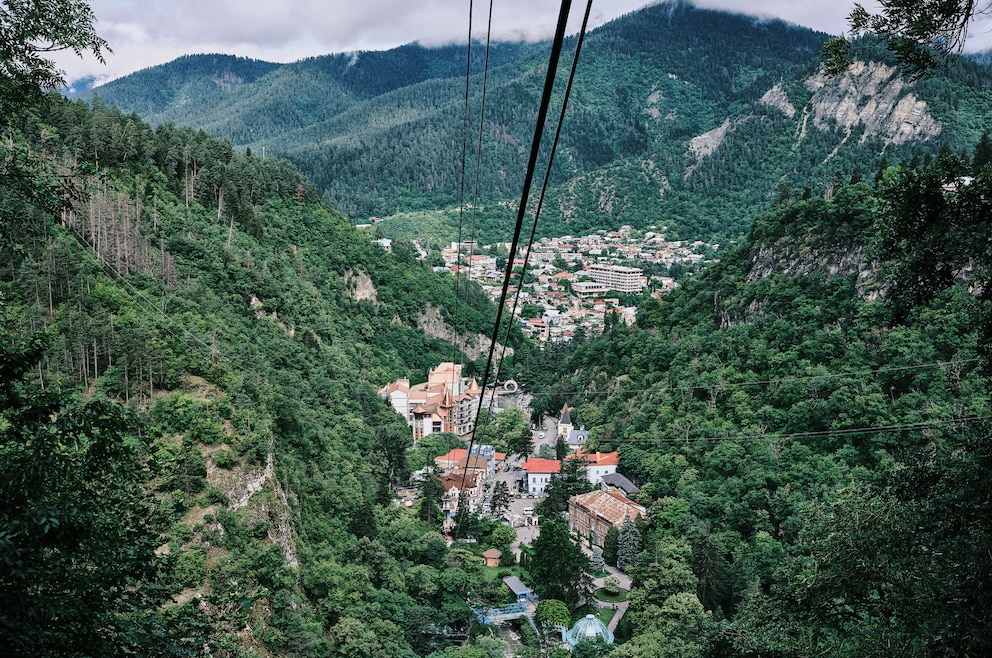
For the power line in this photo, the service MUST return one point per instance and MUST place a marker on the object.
(689, 388)
(871, 429)
(542, 115)
(547, 177)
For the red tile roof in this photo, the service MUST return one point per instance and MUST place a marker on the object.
(542, 465)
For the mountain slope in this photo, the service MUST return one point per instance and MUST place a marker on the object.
(681, 117)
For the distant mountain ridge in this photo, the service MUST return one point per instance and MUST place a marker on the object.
(682, 117)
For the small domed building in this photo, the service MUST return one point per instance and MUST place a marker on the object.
(587, 628)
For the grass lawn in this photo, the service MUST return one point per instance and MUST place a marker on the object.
(604, 614)
(603, 595)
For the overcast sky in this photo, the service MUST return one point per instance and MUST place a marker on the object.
(144, 33)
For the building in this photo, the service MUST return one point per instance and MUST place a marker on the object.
(539, 472)
(436, 414)
(492, 557)
(617, 277)
(591, 515)
(588, 628)
(483, 462)
(577, 438)
(564, 423)
(454, 487)
(589, 289)
(446, 402)
(598, 464)
(617, 482)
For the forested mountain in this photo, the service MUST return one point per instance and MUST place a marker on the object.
(804, 445)
(210, 310)
(246, 328)
(681, 117)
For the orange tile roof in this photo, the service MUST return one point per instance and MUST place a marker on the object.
(453, 455)
(610, 505)
(599, 458)
(542, 465)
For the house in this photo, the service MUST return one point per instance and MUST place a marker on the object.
(598, 464)
(492, 557)
(454, 486)
(617, 482)
(539, 472)
(483, 462)
(577, 438)
(592, 514)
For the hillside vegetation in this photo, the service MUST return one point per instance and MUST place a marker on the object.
(195, 460)
(246, 328)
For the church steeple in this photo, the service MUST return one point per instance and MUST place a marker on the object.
(564, 424)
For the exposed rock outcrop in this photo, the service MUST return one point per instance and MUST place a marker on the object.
(875, 97)
(361, 286)
(802, 257)
(433, 324)
(703, 145)
(777, 98)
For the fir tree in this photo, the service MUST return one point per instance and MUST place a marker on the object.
(628, 543)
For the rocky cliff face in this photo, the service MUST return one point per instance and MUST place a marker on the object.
(871, 100)
(799, 257)
(875, 97)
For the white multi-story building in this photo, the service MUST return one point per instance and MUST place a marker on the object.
(618, 277)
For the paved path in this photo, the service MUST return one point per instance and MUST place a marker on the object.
(619, 606)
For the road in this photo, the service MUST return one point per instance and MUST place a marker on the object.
(521, 508)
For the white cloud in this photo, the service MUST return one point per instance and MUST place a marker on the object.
(144, 33)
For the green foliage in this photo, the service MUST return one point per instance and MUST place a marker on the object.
(78, 531)
(628, 543)
(225, 459)
(255, 340)
(611, 545)
(558, 565)
(922, 34)
(499, 503)
(551, 613)
(597, 563)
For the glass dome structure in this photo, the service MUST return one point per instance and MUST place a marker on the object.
(587, 628)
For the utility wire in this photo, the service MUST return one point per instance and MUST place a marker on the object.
(547, 177)
(689, 388)
(871, 429)
(461, 194)
(542, 115)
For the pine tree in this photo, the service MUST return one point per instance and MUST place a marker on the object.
(611, 545)
(596, 562)
(500, 500)
(628, 543)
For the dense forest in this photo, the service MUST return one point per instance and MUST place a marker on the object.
(680, 117)
(196, 461)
